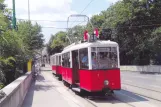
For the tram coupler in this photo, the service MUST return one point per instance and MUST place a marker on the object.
(108, 92)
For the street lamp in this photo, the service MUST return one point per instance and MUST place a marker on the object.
(14, 15)
(29, 10)
(29, 18)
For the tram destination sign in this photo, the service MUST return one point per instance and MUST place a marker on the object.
(104, 49)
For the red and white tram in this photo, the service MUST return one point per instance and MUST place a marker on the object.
(92, 66)
(56, 64)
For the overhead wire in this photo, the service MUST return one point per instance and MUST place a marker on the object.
(62, 21)
(84, 10)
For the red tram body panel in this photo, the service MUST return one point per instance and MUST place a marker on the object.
(54, 69)
(56, 64)
(67, 75)
(59, 71)
(92, 80)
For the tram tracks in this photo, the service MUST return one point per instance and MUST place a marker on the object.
(124, 100)
(106, 100)
(95, 101)
(142, 87)
(143, 91)
(117, 100)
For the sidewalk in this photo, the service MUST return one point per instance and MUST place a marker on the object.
(45, 92)
(46, 68)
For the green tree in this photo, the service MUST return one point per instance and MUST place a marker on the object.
(31, 35)
(57, 42)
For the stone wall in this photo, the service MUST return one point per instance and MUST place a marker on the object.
(149, 68)
(16, 91)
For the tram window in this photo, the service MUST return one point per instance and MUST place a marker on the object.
(59, 60)
(83, 58)
(62, 59)
(66, 60)
(104, 58)
(95, 64)
(54, 60)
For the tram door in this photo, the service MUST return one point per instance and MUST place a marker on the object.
(75, 66)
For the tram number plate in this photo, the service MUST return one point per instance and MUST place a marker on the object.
(103, 49)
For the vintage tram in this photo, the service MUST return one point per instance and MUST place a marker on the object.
(56, 64)
(92, 66)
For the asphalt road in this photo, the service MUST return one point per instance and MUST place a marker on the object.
(149, 81)
(145, 85)
(49, 92)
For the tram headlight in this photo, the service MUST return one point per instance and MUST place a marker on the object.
(106, 82)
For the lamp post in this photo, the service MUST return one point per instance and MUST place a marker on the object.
(14, 15)
(29, 22)
(29, 10)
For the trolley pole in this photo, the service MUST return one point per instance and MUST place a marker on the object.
(14, 15)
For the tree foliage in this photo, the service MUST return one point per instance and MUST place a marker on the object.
(57, 42)
(16, 46)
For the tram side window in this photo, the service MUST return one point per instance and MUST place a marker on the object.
(66, 60)
(51, 61)
(54, 60)
(62, 59)
(59, 60)
(95, 64)
(83, 58)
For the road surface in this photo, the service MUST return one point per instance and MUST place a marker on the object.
(146, 85)
(47, 91)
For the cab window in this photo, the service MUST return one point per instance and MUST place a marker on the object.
(104, 57)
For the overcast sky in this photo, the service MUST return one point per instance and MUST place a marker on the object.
(56, 10)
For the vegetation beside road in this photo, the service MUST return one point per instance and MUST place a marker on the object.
(17, 46)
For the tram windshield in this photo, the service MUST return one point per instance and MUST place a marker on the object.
(104, 58)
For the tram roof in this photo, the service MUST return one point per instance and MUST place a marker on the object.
(56, 54)
(90, 44)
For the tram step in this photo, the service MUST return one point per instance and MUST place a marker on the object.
(77, 84)
(76, 89)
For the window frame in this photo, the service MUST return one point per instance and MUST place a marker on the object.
(96, 50)
(79, 59)
(67, 62)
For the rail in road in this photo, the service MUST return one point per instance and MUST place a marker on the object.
(146, 85)
(48, 91)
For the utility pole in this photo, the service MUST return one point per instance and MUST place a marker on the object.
(14, 15)
(29, 10)
(29, 17)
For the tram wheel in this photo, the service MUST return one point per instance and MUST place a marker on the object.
(83, 93)
(59, 78)
(64, 82)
